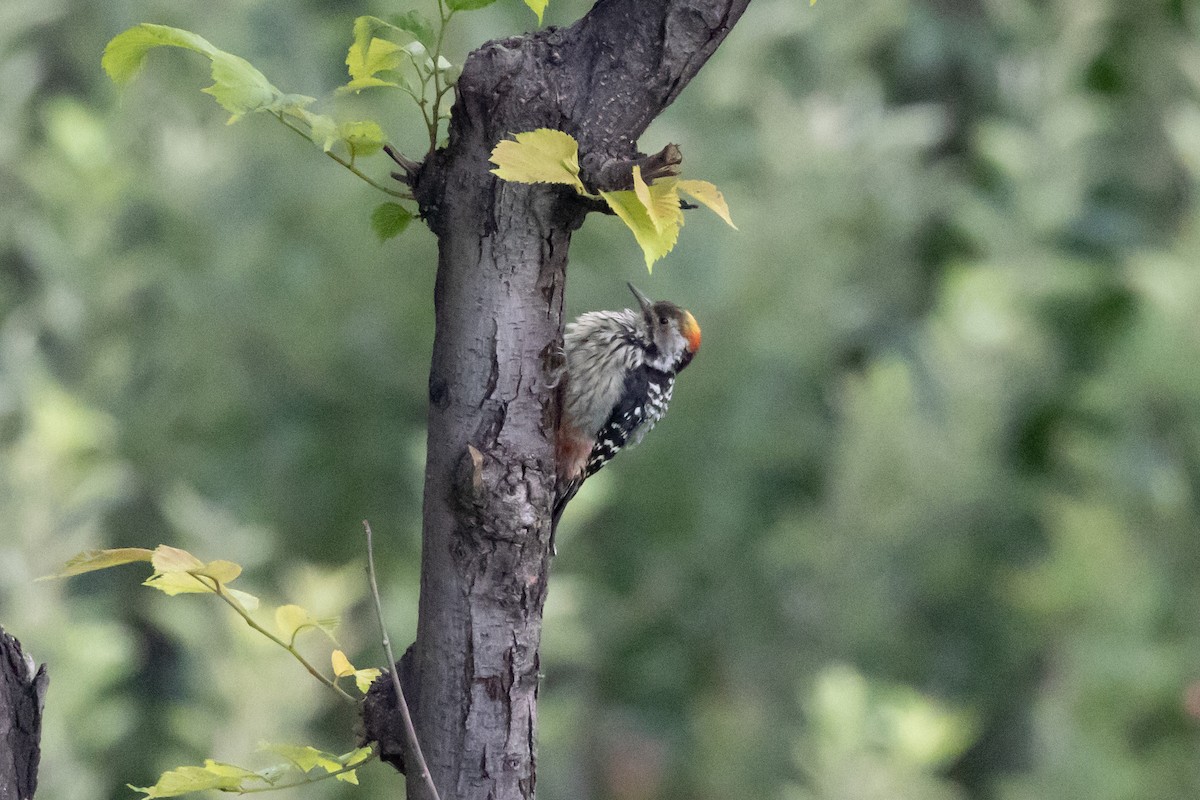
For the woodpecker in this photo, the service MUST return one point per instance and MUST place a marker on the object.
(621, 368)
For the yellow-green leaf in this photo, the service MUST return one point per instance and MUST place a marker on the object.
(291, 619)
(708, 195)
(179, 572)
(221, 571)
(341, 665)
(540, 156)
(126, 52)
(323, 129)
(172, 559)
(468, 5)
(356, 756)
(539, 6)
(661, 200)
(362, 137)
(246, 600)
(655, 243)
(306, 758)
(213, 775)
(237, 85)
(363, 678)
(376, 56)
(173, 583)
(350, 759)
(100, 559)
(358, 84)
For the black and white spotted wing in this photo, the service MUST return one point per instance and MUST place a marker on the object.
(643, 402)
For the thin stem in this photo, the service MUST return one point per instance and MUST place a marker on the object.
(347, 164)
(277, 786)
(438, 89)
(410, 732)
(218, 590)
(423, 101)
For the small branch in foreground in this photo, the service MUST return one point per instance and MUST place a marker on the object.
(604, 174)
(410, 732)
(409, 166)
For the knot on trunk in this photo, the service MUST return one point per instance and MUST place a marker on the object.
(500, 493)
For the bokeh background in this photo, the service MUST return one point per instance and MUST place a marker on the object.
(922, 522)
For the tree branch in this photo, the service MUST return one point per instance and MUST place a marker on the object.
(410, 167)
(616, 174)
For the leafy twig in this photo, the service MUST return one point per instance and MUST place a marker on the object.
(219, 591)
(277, 786)
(347, 164)
(410, 733)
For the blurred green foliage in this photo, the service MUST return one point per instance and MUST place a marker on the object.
(921, 523)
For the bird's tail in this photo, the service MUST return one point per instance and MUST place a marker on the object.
(565, 492)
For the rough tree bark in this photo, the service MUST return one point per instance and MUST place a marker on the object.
(473, 672)
(22, 692)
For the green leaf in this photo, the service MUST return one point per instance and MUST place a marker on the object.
(708, 195)
(322, 128)
(540, 156)
(389, 220)
(538, 7)
(655, 243)
(237, 85)
(468, 5)
(126, 52)
(213, 775)
(362, 137)
(414, 23)
(93, 560)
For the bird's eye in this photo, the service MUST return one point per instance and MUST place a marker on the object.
(662, 320)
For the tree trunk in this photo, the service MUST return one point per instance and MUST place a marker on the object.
(489, 482)
(22, 692)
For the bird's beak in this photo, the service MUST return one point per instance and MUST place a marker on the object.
(645, 302)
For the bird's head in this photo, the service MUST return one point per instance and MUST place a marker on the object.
(672, 333)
